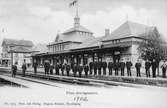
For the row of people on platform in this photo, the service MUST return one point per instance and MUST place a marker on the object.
(99, 68)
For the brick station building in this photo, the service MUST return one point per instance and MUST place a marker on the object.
(79, 44)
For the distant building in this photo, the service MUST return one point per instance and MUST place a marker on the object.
(19, 47)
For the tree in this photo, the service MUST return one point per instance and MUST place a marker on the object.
(152, 46)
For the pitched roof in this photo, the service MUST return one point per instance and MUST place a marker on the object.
(77, 28)
(18, 42)
(21, 49)
(89, 43)
(72, 37)
(128, 29)
(41, 48)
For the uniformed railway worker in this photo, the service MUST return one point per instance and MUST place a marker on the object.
(164, 66)
(47, 66)
(122, 67)
(95, 67)
(154, 66)
(24, 67)
(91, 64)
(51, 69)
(86, 69)
(68, 68)
(110, 67)
(57, 67)
(138, 66)
(62, 68)
(80, 69)
(99, 65)
(116, 67)
(147, 67)
(128, 67)
(75, 69)
(35, 66)
(14, 69)
(104, 66)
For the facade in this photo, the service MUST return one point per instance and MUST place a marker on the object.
(79, 44)
(18, 47)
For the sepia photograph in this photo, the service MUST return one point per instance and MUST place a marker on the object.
(83, 53)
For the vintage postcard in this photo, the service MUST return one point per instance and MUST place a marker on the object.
(83, 53)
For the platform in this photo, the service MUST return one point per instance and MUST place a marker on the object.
(111, 80)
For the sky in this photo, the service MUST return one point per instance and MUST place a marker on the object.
(41, 20)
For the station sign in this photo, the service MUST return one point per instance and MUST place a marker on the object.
(117, 53)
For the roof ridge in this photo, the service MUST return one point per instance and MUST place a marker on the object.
(128, 28)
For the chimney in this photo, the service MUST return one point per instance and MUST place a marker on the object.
(107, 32)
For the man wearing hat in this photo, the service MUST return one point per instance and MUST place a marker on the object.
(110, 66)
(104, 65)
(128, 67)
(122, 67)
(95, 66)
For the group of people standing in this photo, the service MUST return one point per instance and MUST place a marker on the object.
(66, 67)
(96, 68)
(14, 69)
(100, 68)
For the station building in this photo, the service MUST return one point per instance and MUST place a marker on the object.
(78, 44)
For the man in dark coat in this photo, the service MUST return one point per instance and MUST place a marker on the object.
(14, 69)
(147, 67)
(104, 65)
(86, 69)
(110, 67)
(47, 66)
(122, 67)
(99, 65)
(51, 69)
(24, 67)
(35, 66)
(62, 67)
(57, 67)
(154, 66)
(128, 67)
(138, 66)
(75, 69)
(91, 66)
(116, 67)
(80, 69)
(95, 67)
(68, 68)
